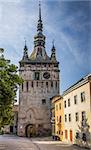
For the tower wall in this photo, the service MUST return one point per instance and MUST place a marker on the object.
(35, 94)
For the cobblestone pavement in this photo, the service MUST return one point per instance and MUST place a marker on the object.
(18, 143)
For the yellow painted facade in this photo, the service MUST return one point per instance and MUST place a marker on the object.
(59, 116)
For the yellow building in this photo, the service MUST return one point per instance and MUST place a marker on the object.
(77, 108)
(58, 117)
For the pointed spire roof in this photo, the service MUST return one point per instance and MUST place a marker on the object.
(39, 53)
(25, 52)
(53, 54)
(40, 25)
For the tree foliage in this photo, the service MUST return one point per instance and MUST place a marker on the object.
(9, 82)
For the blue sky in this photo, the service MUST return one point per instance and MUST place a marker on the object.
(67, 22)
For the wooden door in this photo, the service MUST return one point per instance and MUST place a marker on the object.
(71, 136)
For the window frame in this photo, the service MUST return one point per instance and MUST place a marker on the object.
(82, 97)
(75, 99)
(68, 102)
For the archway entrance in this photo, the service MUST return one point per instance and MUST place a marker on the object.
(30, 130)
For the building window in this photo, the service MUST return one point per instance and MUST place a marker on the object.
(83, 115)
(43, 101)
(75, 99)
(47, 84)
(77, 135)
(59, 132)
(69, 117)
(68, 102)
(44, 65)
(76, 116)
(37, 76)
(41, 84)
(82, 96)
(66, 134)
(55, 65)
(51, 83)
(60, 119)
(27, 86)
(56, 107)
(57, 118)
(65, 118)
(84, 138)
(59, 105)
(65, 104)
(22, 87)
(56, 84)
(32, 83)
(37, 84)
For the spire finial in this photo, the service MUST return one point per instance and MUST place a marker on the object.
(25, 40)
(53, 42)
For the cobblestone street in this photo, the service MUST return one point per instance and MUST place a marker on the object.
(19, 143)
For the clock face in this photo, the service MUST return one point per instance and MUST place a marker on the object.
(46, 75)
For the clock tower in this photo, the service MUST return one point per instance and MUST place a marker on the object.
(41, 82)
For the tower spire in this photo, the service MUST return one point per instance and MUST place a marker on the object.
(39, 10)
(40, 25)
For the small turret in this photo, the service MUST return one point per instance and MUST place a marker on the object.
(25, 52)
(53, 54)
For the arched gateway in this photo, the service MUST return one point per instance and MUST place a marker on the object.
(30, 130)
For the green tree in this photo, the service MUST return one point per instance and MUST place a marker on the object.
(9, 83)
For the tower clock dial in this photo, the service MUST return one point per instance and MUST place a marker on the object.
(46, 75)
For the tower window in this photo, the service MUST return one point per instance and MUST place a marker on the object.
(56, 84)
(42, 84)
(32, 84)
(37, 84)
(51, 83)
(43, 101)
(27, 86)
(55, 65)
(37, 76)
(22, 87)
(44, 65)
(47, 84)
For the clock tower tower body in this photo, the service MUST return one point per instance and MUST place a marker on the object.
(41, 82)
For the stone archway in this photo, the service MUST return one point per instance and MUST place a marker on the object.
(30, 130)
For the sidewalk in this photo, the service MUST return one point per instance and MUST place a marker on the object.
(48, 140)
